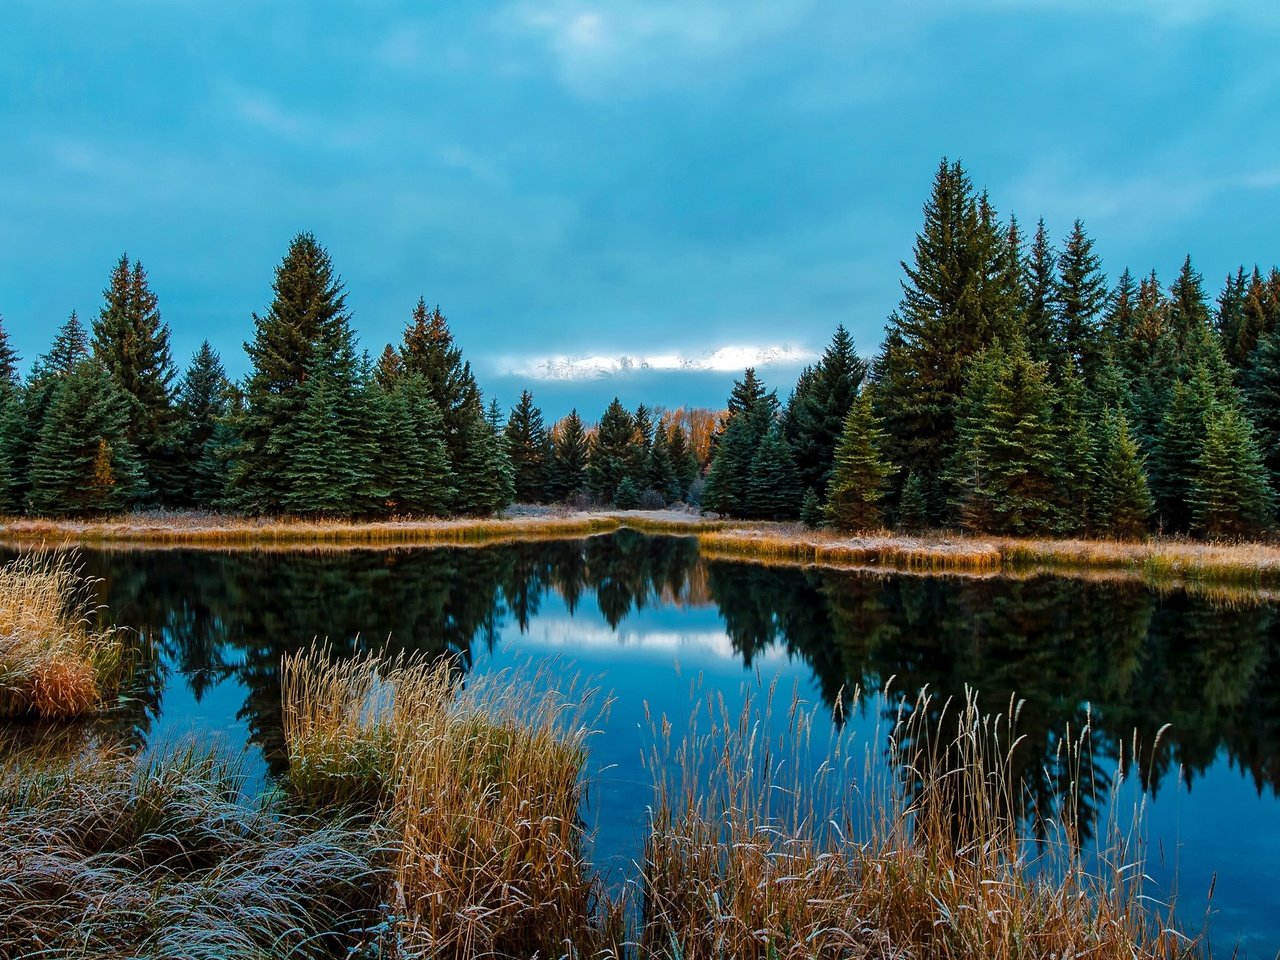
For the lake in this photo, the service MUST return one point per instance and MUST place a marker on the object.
(655, 624)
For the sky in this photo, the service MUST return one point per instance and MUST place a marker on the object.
(638, 197)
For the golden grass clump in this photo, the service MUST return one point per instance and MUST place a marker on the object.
(754, 856)
(53, 665)
(481, 785)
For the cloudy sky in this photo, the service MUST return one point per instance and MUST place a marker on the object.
(638, 196)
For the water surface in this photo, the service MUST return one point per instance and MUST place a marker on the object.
(657, 625)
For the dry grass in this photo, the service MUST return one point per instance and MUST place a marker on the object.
(53, 665)
(114, 857)
(482, 787)
(752, 856)
(223, 531)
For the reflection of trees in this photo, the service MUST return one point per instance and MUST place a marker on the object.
(1140, 660)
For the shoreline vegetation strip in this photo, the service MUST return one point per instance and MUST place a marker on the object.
(1160, 560)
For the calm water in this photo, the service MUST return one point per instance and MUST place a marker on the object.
(650, 620)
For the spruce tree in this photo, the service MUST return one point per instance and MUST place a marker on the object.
(428, 348)
(1077, 462)
(306, 324)
(612, 451)
(204, 400)
(684, 462)
(132, 342)
(773, 482)
(1041, 282)
(811, 512)
(1081, 295)
(319, 474)
(1007, 468)
(627, 496)
(956, 302)
(861, 474)
(570, 452)
(752, 411)
(1178, 448)
(529, 447)
(1123, 504)
(1237, 341)
(8, 363)
(1262, 389)
(913, 514)
(659, 471)
(484, 477)
(1230, 496)
(84, 461)
(817, 409)
(419, 479)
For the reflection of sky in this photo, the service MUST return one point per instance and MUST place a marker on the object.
(666, 658)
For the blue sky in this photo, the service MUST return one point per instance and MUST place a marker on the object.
(677, 180)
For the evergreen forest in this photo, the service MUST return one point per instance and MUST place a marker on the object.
(1017, 391)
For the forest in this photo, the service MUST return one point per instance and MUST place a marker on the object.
(1016, 392)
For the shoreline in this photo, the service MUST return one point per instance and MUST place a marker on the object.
(1155, 560)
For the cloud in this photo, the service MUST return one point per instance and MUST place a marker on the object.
(726, 359)
(645, 43)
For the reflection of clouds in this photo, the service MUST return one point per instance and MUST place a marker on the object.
(569, 633)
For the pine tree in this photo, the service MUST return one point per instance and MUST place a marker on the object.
(1081, 295)
(955, 303)
(773, 483)
(1178, 448)
(529, 447)
(913, 515)
(570, 450)
(811, 512)
(1123, 503)
(418, 480)
(818, 407)
(612, 451)
(84, 462)
(307, 323)
(1076, 464)
(1041, 282)
(752, 411)
(320, 475)
(684, 462)
(131, 340)
(1237, 342)
(659, 471)
(861, 473)
(1262, 388)
(484, 477)
(1006, 469)
(203, 401)
(627, 496)
(1230, 495)
(428, 349)
(8, 363)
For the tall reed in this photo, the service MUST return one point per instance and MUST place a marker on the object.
(769, 846)
(482, 785)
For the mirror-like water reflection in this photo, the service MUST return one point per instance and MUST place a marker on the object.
(651, 619)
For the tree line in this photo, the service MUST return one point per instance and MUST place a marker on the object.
(103, 422)
(1017, 393)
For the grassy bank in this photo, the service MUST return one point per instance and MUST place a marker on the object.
(53, 664)
(423, 817)
(1157, 560)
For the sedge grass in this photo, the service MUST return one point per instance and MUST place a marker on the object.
(53, 664)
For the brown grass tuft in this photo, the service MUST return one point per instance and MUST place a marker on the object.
(53, 665)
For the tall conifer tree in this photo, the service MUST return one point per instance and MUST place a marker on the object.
(817, 409)
(571, 450)
(133, 343)
(529, 448)
(861, 473)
